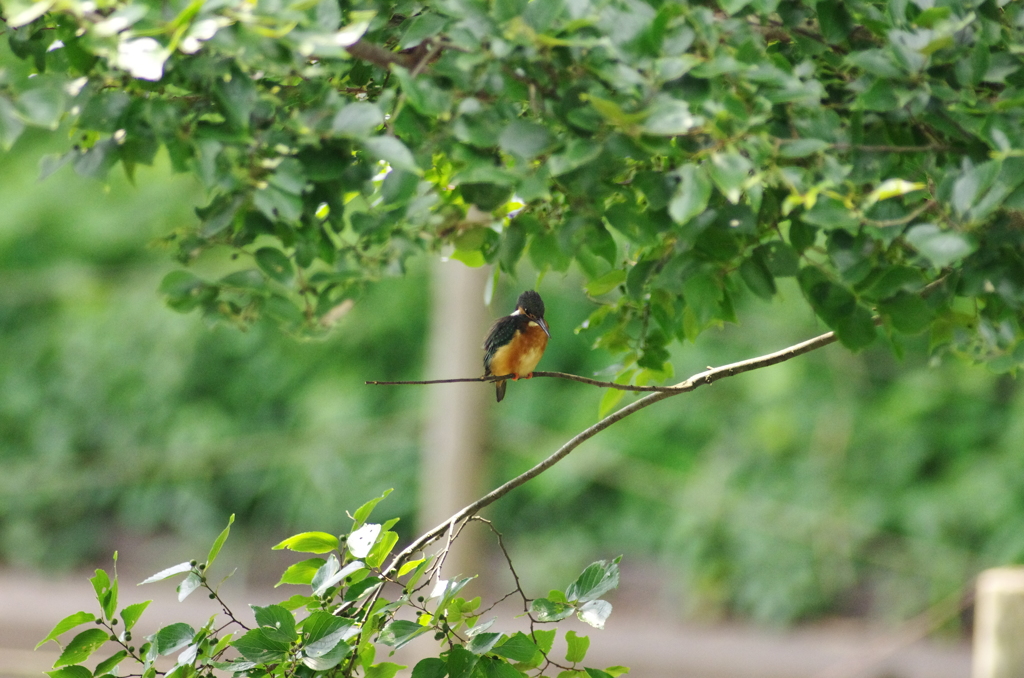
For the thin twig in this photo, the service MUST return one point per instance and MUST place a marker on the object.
(707, 377)
(555, 375)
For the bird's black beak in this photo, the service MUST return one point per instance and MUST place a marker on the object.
(543, 326)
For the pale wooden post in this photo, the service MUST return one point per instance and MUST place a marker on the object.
(999, 624)
(451, 465)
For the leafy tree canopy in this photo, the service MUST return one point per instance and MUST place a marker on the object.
(680, 155)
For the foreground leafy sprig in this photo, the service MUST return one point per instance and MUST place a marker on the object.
(353, 608)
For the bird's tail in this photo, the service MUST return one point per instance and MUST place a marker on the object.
(500, 388)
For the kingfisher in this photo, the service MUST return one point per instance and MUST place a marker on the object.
(516, 342)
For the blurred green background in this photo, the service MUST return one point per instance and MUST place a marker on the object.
(833, 484)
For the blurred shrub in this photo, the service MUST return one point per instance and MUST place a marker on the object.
(117, 413)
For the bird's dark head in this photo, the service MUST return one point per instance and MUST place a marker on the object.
(532, 306)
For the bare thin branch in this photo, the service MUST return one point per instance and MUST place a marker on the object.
(707, 377)
(554, 375)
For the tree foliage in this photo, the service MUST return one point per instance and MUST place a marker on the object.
(680, 155)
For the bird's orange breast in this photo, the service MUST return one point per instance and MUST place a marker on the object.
(521, 355)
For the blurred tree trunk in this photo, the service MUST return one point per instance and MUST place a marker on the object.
(451, 468)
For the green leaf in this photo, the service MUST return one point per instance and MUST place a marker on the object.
(431, 667)
(275, 264)
(731, 7)
(525, 139)
(606, 283)
(11, 125)
(364, 511)
(357, 120)
(218, 543)
(577, 153)
(383, 670)
(609, 399)
(596, 580)
(325, 644)
(301, 572)
(392, 151)
(856, 330)
(669, 116)
(172, 638)
(184, 292)
(802, 235)
(309, 542)
(758, 278)
(908, 313)
(461, 661)
(729, 171)
(549, 611)
(599, 241)
(423, 26)
(81, 647)
(487, 196)
(595, 612)
(108, 664)
(277, 204)
(545, 253)
(328, 660)
(828, 214)
(423, 94)
(577, 647)
(180, 568)
(399, 632)
(70, 672)
(483, 642)
(518, 647)
(381, 548)
(130, 615)
(972, 184)
(43, 106)
(331, 572)
(66, 624)
(703, 295)
(188, 585)
(692, 193)
(941, 248)
(275, 622)
(492, 667)
(257, 647)
(801, 148)
(545, 639)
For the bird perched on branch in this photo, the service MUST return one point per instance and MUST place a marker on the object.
(516, 342)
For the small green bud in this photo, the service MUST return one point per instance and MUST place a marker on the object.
(419, 599)
(193, 563)
(212, 596)
(113, 637)
(99, 622)
(114, 621)
(438, 636)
